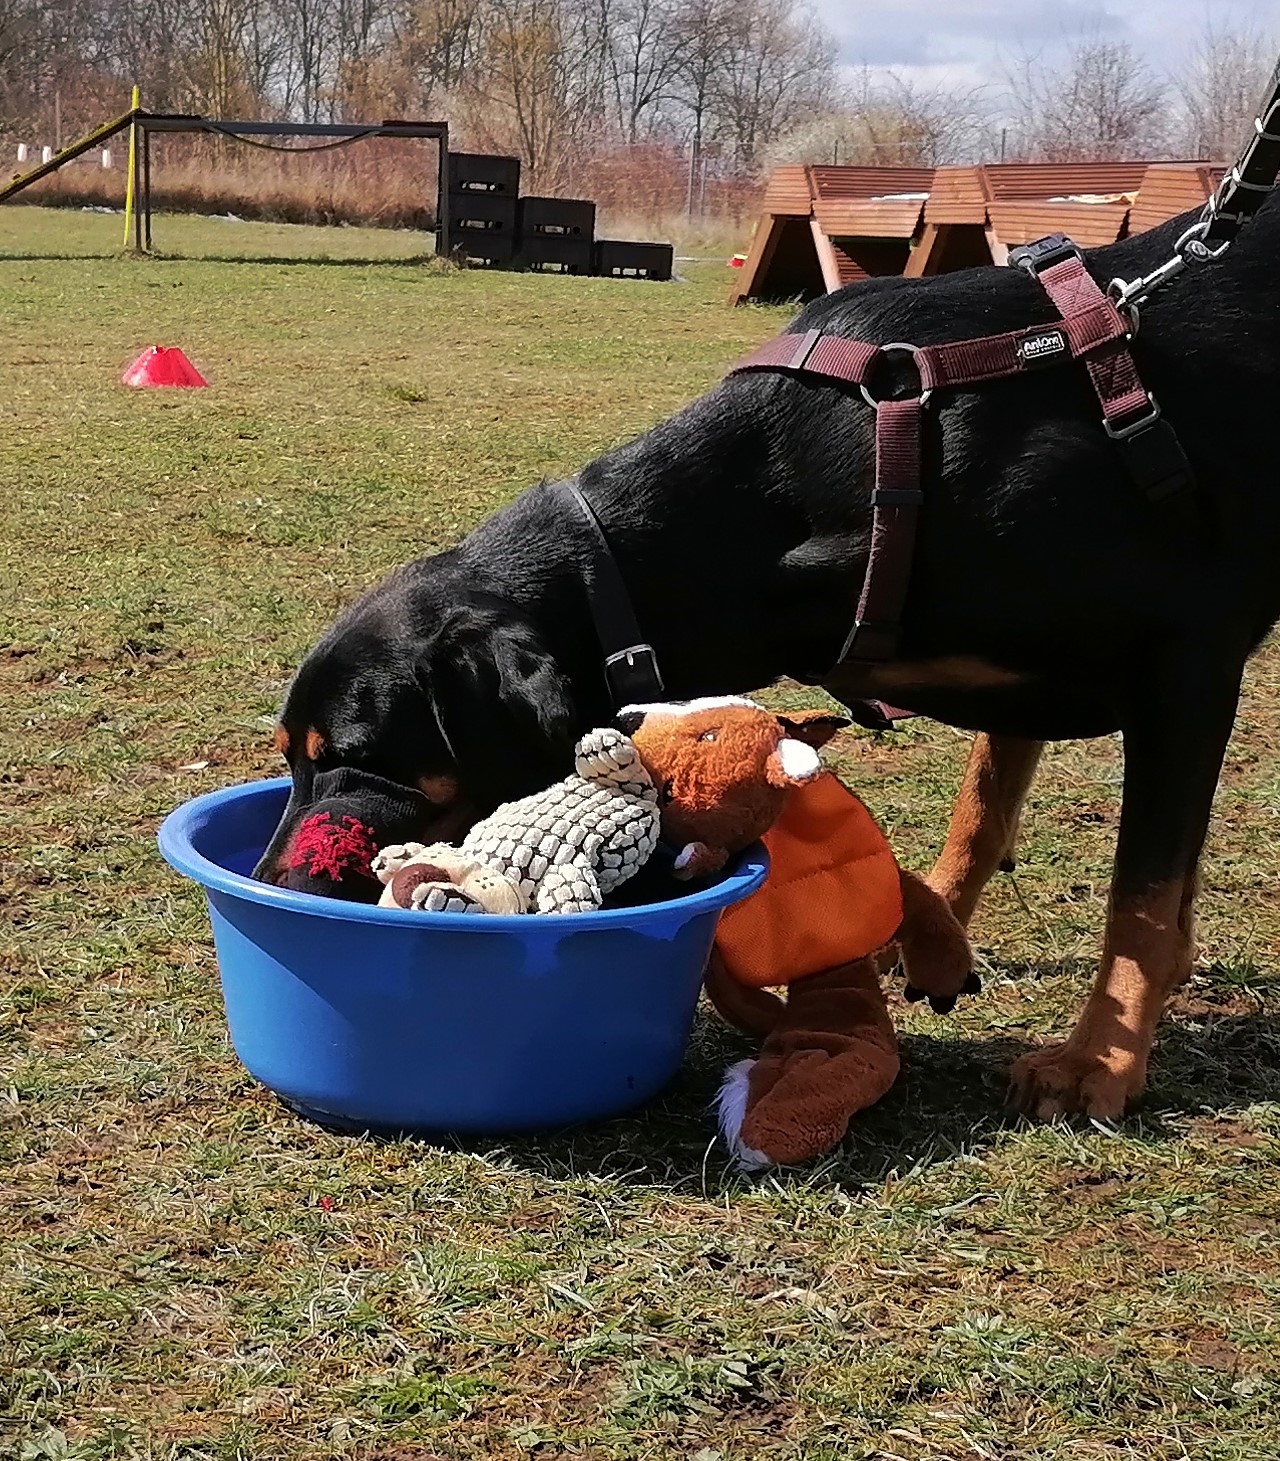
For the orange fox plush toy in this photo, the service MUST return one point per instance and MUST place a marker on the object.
(730, 772)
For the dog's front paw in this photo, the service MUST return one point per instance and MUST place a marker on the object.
(1062, 1080)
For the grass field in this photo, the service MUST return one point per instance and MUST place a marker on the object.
(186, 1270)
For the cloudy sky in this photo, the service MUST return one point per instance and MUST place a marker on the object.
(963, 40)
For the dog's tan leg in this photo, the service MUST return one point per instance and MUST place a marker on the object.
(1176, 732)
(1103, 1065)
(984, 821)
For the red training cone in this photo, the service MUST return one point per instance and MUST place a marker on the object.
(162, 365)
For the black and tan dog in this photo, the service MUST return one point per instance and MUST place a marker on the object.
(1048, 600)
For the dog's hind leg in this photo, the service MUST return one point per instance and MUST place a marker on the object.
(984, 820)
(1174, 741)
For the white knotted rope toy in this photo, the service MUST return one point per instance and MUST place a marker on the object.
(563, 850)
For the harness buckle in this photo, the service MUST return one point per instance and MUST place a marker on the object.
(870, 639)
(1043, 253)
(632, 667)
(1138, 424)
(804, 349)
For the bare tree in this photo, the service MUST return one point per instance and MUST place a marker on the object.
(887, 119)
(1102, 102)
(641, 50)
(704, 36)
(529, 86)
(19, 30)
(779, 65)
(1219, 89)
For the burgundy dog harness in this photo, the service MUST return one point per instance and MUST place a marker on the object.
(1092, 330)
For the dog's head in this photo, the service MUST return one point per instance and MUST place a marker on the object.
(467, 705)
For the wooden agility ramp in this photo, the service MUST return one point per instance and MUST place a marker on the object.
(824, 227)
(84, 144)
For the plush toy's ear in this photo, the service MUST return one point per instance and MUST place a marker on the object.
(813, 727)
(792, 764)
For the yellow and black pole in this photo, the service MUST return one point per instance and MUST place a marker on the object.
(131, 178)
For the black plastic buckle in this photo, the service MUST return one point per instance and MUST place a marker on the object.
(1154, 458)
(1034, 258)
(634, 675)
(897, 497)
(872, 640)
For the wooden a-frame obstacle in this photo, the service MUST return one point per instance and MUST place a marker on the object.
(824, 227)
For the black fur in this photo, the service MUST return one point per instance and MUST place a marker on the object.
(741, 529)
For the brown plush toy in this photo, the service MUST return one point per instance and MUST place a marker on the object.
(730, 772)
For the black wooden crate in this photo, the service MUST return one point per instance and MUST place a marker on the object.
(480, 172)
(549, 252)
(482, 213)
(476, 246)
(617, 259)
(558, 217)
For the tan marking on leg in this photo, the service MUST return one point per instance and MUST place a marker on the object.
(984, 820)
(955, 672)
(1102, 1065)
(439, 790)
(314, 744)
(281, 740)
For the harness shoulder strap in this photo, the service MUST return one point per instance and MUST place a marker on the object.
(630, 664)
(1131, 416)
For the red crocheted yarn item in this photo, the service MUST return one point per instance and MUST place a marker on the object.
(329, 849)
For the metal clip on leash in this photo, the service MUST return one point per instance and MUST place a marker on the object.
(1239, 196)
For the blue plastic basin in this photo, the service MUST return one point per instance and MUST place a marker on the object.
(378, 1019)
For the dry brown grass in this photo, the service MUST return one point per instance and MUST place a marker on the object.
(390, 183)
(387, 183)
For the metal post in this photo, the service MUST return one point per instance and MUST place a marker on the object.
(137, 212)
(442, 197)
(146, 186)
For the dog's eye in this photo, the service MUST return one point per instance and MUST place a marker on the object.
(708, 736)
(668, 792)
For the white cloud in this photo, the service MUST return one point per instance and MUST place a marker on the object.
(964, 40)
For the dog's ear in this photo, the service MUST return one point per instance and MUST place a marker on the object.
(814, 727)
(502, 704)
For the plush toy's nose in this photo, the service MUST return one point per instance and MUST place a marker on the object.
(407, 879)
(793, 763)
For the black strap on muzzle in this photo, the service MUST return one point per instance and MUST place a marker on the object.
(630, 664)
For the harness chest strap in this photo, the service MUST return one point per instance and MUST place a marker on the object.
(1091, 330)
